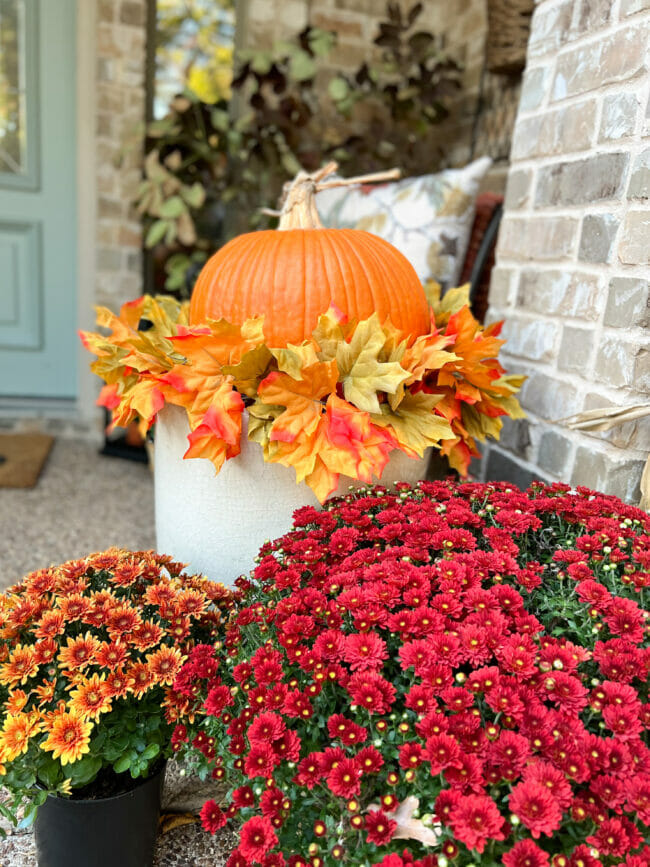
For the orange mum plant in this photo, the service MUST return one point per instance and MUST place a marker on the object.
(336, 403)
(88, 653)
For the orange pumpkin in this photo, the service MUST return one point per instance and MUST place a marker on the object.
(293, 275)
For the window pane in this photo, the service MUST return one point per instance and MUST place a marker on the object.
(13, 93)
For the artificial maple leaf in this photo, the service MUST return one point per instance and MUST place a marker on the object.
(260, 420)
(322, 480)
(300, 454)
(459, 451)
(330, 333)
(362, 373)
(218, 436)
(302, 399)
(415, 423)
(251, 369)
(479, 425)
(292, 359)
(352, 445)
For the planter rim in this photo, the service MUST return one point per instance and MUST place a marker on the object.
(139, 783)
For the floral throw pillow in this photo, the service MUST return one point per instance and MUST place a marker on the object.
(428, 218)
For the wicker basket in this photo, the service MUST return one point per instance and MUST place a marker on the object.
(508, 28)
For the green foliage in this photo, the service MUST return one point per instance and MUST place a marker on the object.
(209, 170)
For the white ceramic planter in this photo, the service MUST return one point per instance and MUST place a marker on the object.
(217, 523)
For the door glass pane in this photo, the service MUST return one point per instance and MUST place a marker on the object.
(13, 88)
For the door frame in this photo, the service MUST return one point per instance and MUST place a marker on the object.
(86, 51)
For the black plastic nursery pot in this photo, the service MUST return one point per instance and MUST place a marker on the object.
(106, 832)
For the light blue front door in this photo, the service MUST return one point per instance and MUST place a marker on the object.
(38, 215)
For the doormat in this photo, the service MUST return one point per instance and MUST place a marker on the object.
(22, 457)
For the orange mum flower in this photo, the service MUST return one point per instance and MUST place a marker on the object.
(20, 666)
(191, 602)
(51, 624)
(177, 707)
(126, 574)
(45, 691)
(45, 650)
(16, 733)
(116, 684)
(159, 594)
(105, 559)
(122, 620)
(147, 635)
(179, 627)
(74, 607)
(89, 700)
(16, 701)
(68, 737)
(73, 569)
(41, 582)
(165, 664)
(79, 652)
(111, 655)
(101, 603)
(142, 678)
(21, 613)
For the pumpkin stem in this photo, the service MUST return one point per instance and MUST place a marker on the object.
(299, 206)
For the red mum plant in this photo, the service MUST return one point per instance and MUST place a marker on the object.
(89, 651)
(445, 674)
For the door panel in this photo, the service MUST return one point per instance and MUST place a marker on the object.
(38, 217)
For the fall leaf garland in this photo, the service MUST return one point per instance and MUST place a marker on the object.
(336, 404)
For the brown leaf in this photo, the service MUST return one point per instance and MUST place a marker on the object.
(168, 821)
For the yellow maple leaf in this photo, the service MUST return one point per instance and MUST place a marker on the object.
(362, 372)
(250, 370)
(292, 359)
(415, 423)
(445, 305)
(329, 333)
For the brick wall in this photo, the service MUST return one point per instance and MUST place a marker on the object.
(573, 252)
(121, 55)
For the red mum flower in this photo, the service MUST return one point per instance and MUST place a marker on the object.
(309, 771)
(345, 730)
(211, 817)
(287, 746)
(611, 838)
(475, 819)
(271, 802)
(443, 751)
(410, 755)
(344, 780)
(267, 727)
(243, 797)
(525, 853)
(217, 699)
(257, 837)
(370, 760)
(260, 761)
(365, 651)
(379, 827)
(553, 779)
(371, 692)
(638, 797)
(536, 807)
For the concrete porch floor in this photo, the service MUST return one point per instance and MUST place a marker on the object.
(82, 502)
